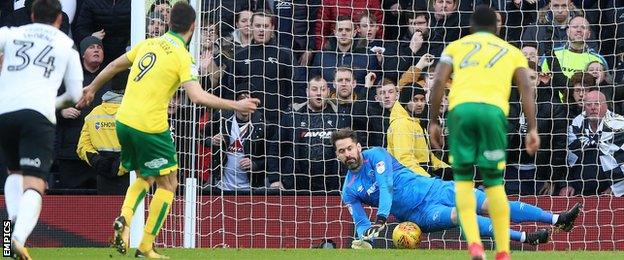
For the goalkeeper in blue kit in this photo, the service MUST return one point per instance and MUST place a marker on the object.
(377, 179)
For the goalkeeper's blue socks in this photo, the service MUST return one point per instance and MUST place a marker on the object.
(522, 212)
(486, 230)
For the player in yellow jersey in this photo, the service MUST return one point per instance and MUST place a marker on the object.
(159, 66)
(483, 67)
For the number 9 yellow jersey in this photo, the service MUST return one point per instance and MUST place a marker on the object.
(483, 69)
(159, 66)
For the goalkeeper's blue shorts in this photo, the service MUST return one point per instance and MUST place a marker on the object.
(434, 214)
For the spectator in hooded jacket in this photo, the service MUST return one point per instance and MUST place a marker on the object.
(308, 158)
(99, 147)
(266, 66)
(595, 141)
(108, 20)
(544, 172)
(241, 36)
(343, 51)
(407, 140)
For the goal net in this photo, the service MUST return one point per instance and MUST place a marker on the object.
(271, 180)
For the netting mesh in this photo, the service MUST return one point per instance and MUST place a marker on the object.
(288, 196)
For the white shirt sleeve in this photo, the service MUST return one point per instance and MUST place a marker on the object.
(73, 77)
(4, 35)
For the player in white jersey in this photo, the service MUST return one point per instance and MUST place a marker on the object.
(37, 57)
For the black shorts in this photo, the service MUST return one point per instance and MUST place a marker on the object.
(27, 142)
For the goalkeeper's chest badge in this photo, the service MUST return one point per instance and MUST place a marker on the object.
(380, 167)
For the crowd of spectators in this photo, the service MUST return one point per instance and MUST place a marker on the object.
(319, 65)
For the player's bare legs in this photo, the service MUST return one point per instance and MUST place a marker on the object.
(28, 214)
(158, 212)
(134, 195)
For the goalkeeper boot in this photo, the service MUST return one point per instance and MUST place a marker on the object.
(150, 254)
(537, 237)
(19, 251)
(566, 219)
(122, 235)
(476, 251)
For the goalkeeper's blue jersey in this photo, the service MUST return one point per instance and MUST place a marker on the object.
(384, 183)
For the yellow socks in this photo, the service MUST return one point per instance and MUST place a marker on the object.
(499, 213)
(158, 211)
(135, 193)
(466, 205)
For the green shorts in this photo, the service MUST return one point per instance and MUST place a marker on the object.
(151, 154)
(477, 136)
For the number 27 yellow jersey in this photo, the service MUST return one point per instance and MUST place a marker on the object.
(483, 69)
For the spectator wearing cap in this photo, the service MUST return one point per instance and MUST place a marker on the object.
(73, 172)
(239, 145)
(92, 54)
(99, 147)
(407, 140)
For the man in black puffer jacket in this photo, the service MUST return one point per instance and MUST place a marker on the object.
(267, 67)
(109, 20)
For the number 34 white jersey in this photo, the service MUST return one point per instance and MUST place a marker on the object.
(37, 57)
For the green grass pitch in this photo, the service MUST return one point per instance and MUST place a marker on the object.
(299, 254)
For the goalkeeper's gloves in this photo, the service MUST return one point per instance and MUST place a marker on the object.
(361, 244)
(375, 229)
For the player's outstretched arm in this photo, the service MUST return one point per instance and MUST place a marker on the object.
(201, 97)
(527, 96)
(442, 74)
(118, 65)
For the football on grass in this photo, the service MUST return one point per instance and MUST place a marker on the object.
(406, 235)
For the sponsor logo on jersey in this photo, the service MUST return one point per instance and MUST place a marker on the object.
(156, 163)
(236, 146)
(435, 216)
(372, 189)
(494, 155)
(34, 162)
(320, 134)
(104, 124)
(360, 188)
(380, 167)
(282, 5)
